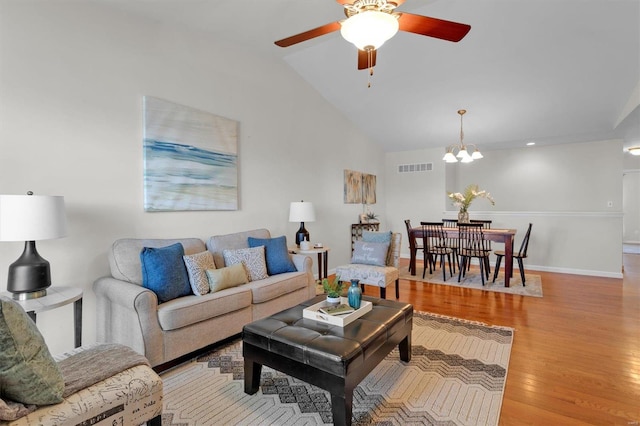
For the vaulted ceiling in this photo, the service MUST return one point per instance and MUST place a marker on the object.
(549, 71)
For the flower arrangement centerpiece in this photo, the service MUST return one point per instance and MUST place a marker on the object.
(463, 200)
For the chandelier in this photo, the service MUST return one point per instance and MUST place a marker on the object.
(460, 151)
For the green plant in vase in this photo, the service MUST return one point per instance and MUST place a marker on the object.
(333, 289)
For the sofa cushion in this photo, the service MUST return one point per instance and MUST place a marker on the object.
(370, 253)
(188, 310)
(197, 265)
(227, 277)
(218, 243)
(124, 256)
(28, 372)
(275, 286)
(276, 253)
(252, 259)
(164, 272)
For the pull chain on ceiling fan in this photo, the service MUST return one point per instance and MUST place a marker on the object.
(370, 23)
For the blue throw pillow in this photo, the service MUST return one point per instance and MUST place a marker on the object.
(164, 273)
(370, 253)
(276, 254)
(376, 237)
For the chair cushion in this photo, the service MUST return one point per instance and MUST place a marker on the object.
(367, 274)
(28, 372)
(252, 259)
(197, 265)
(227, 277)
(376, 237)
(276, 254)
(370, 253)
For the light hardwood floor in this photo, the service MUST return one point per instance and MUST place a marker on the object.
(576, 351)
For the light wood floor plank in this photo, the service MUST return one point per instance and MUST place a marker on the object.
(576, 351)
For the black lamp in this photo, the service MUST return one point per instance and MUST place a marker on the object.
(301, 212)
(30, 218)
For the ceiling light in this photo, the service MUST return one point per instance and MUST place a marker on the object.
(530, 143)
(462, 149)
(634, 150)
(368, 30)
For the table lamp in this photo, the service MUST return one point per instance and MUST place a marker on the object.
(30, 218)
(301, 212)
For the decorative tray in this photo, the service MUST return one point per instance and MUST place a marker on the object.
(312, 312)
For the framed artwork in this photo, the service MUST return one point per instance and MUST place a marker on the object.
(368, 189)
(190, 158)
(352, 187)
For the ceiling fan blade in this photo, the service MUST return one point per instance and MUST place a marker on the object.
(308, 35)
(363, 59)
(433, 27)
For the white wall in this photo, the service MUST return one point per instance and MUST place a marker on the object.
(563, 190)
(631, 199)
(72, 77)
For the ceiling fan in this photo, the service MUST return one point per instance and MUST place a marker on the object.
(370, 23)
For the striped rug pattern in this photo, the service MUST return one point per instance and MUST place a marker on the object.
(456, 376)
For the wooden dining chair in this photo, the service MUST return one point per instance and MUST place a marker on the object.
(471, 243)
(486, 224)
(522, 254)
(435, 244)
(414, 246)
(452, 241)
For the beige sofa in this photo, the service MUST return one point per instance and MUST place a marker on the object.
(130, 314)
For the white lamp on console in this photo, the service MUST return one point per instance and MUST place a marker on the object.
(30, 218)
(302, 212)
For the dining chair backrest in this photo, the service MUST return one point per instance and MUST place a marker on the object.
(433, 234)
(450, 223)
(525, 243)
(485, 223)
(471, 238)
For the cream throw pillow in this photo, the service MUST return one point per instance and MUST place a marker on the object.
(228, 277)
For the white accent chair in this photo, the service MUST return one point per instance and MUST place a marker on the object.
(379, 276)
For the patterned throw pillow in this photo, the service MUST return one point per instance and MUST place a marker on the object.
(376, 237)
(28, 372)
(230, 276)
(276, 254)
(252, 259)
(197, 265)
(370, 253)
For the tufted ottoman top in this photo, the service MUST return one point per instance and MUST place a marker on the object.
(336, 350)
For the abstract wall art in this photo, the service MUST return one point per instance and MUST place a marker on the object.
(352, 187)
(190, 158)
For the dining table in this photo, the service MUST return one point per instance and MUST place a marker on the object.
(506, 236)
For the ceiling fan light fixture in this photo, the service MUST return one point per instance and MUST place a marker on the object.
(369, 30)
(635, 150)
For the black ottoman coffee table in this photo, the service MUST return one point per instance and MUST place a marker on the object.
(331, 357)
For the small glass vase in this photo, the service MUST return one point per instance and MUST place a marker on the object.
(463, 217)
(355, 294)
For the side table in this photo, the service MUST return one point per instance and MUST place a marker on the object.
(323, 258)
(56, 297)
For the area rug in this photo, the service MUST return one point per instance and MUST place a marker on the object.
(456, 376)
(473, 280)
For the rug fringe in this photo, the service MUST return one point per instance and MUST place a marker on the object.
(466, 321)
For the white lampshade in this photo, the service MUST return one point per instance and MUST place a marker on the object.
(301, 211)
(449, 157)
(476, 155)
(32, 217)
(369, 29)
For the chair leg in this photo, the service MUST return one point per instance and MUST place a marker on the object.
(497, 267)
(383, 293)
(461, 267)
(450, 270)
(482, 269)
(156, 421)
(521, 267)
(398, 288)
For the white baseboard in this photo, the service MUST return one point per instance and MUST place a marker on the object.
(558, 270)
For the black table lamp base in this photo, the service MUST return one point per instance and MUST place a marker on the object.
(302, 234)
(30, 275)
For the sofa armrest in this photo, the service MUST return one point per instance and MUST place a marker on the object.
(127, 313)
(304, 263)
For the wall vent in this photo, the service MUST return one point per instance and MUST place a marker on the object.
(415, 168)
